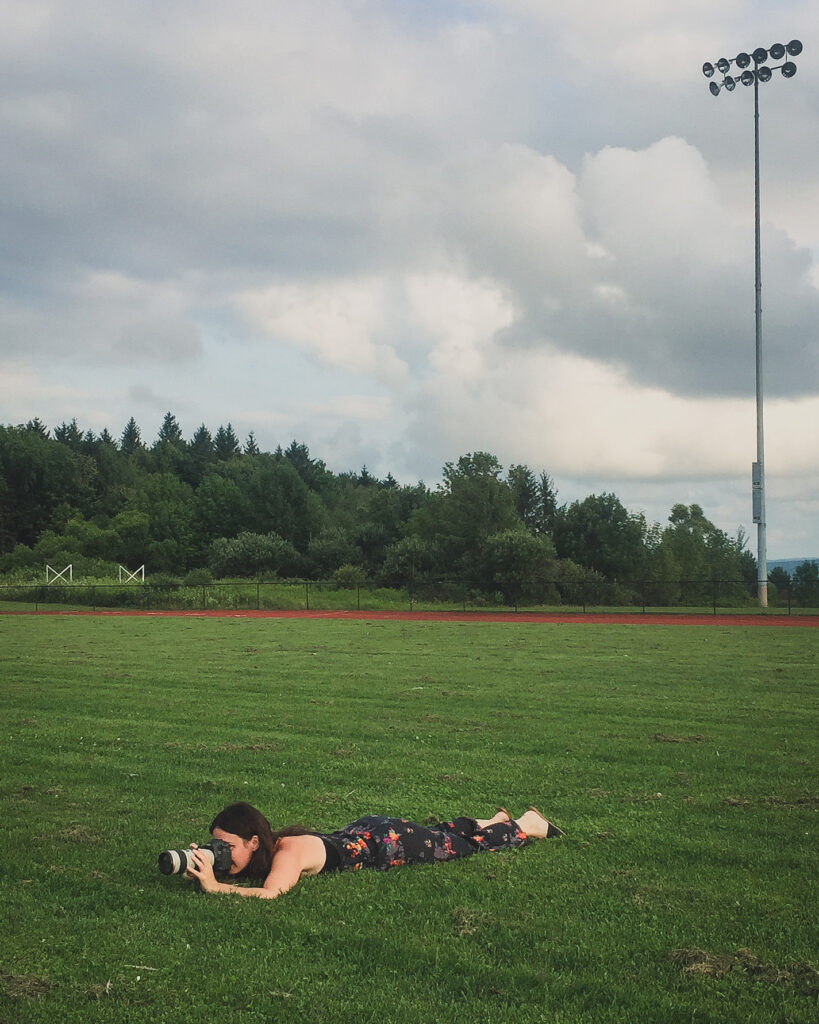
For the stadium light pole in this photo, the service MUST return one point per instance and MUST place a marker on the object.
(761, 72)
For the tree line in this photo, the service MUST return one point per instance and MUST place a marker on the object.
(214, 507)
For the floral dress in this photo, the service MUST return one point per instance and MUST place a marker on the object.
(382, 843)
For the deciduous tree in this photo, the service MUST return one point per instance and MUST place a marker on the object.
(601, 534)
(806, 584)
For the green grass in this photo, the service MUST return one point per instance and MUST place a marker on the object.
(680, 760)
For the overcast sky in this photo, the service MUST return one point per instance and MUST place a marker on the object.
(404, 230)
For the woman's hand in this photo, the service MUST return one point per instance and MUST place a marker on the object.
(202, 871)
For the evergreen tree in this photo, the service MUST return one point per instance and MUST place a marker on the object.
(70, 435)
(170, 433)
(38, 427)
(548, 505)
(226, 444)
(170, 454)
(312, 471)
(251, 448)
(201, 455)
(131, 440)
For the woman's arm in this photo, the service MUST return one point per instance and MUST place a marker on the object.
(295, 856)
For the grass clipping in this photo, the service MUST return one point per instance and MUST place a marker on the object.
(803, 977)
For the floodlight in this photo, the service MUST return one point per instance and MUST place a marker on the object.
(751, 69)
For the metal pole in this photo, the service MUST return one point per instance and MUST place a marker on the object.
(758, 484)
(743, 60)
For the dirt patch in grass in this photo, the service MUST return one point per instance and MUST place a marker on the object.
(811, 800)
(256, 747)
(24, 986)
(802, 976)
(661, 737)
(465, 921)
(98, 991)
(78, 834)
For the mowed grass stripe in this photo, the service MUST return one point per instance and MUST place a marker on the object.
(681, 762)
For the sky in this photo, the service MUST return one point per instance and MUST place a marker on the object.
(401, 231)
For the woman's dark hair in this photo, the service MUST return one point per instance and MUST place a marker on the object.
(244, 820)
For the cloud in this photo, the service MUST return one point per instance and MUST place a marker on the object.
(337, 322)
(105, 317)
(613, 265)
(407, 231)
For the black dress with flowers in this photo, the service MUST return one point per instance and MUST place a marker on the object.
(382, 843)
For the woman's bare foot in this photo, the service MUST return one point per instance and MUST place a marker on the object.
(502, 816)
(536, 826)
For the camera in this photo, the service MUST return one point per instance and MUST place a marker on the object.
(174, 862)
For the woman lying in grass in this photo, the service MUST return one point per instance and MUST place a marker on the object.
(280, 859)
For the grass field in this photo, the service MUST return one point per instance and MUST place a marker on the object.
(681, 761)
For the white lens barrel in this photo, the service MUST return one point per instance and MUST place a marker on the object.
(174, 862)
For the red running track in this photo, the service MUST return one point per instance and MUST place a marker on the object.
(612, 619)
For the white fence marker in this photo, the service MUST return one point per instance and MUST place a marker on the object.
(60, 575)
(129, 576)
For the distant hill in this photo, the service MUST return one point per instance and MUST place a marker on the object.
(789, 564)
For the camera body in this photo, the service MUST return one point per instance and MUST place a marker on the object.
(175, 862)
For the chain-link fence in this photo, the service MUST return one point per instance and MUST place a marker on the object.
(443, 594)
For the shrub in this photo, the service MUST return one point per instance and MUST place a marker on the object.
(198, 578)
(348, 577)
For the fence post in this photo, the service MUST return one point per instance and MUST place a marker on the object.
(93, 598)
(716, 589)
(643, 595)
(307, 595)
(258, 594)
(358, 597)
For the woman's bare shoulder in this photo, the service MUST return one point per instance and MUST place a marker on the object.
(309, 850)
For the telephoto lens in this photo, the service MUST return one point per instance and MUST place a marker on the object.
(175, 862)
